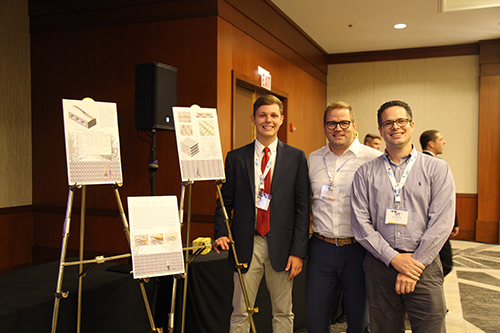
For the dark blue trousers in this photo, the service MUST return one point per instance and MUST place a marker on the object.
(330, 267)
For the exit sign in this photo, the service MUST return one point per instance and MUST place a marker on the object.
(265, 78)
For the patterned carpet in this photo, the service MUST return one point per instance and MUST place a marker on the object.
(472, 289)
(477, 271)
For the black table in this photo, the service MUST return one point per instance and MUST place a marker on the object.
(111, 301)
(210, 291)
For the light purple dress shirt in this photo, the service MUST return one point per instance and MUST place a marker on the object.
(428, 195)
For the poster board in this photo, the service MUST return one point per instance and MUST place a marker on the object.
(92, 142)
(155, 236)
(198, 143)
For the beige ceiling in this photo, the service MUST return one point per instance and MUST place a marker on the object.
(342, 26)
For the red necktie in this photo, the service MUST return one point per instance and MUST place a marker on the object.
(263, 215)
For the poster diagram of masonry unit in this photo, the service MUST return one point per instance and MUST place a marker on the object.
(198, 143)
(92, 142)
(155, 236)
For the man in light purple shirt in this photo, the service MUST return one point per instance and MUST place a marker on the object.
(402, 212)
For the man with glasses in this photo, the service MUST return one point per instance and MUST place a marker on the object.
(334, 257)
(402, 212)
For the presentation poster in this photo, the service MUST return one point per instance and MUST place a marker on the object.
(198, 143)
(155, 236)
(92, 142)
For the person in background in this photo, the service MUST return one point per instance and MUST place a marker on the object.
(372, 140)
(432, 143)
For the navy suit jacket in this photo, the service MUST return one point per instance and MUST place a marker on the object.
(288, 210)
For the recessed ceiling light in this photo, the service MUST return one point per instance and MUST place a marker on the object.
(400, 26)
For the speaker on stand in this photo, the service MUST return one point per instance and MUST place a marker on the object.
(155, 95)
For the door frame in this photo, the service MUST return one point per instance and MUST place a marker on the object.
(239, 79)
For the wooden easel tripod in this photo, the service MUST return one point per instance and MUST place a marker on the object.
(98, 260)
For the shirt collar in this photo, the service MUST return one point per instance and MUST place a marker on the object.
(404, 159)
(259, 147)
(429, 152)
(354, 148)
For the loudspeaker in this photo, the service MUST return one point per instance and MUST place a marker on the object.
(155, 95)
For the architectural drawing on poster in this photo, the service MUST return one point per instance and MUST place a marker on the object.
(198, 143)
(92, 142)
(155, 237)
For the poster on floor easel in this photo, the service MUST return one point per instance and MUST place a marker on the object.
(92, 142)
(198, 143)
(155, 236)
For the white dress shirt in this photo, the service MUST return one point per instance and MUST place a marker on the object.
(333, 218)
(259, 153)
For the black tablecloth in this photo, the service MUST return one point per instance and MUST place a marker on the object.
(210, 289)
(111, 301)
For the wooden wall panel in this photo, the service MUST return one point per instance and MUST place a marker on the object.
(77, 57)
(16, 237)
(488, 217)
(467, 212)
(402, 54)
(100, 63)
(263, 21)
(306, 95)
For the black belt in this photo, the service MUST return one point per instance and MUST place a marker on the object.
(403, 251)
(337, 241)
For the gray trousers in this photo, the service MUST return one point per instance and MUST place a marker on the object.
(425, 306)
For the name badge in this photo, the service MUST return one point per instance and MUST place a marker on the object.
(263, 200)
(330, 192)
(396, 216)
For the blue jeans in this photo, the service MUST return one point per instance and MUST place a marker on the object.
(330, 267)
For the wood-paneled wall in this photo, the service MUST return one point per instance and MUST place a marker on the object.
(488, 192)
(16, 237)
(80, 51)
(467, 213)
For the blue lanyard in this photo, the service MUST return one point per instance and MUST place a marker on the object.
(336, 171)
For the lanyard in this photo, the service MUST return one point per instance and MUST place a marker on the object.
(395, 186)
(336, 171)
(262, 176)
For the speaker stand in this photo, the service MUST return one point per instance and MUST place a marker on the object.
(153, 163)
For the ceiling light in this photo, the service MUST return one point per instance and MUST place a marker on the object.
(400, 26)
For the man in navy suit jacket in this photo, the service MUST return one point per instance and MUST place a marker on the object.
(278, 252)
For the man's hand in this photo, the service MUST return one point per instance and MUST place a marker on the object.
(454, 232)
(222, 242)
(294, 265)
(404, 263)
(405, 284)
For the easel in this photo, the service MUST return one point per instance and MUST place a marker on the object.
(239, 265)
(98, 260)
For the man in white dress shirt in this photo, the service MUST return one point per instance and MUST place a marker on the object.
(335, 259)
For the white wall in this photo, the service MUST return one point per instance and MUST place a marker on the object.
(15, 105)
(442, 92)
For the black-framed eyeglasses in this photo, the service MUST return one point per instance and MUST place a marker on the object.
(344, 124)
(402, 122)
